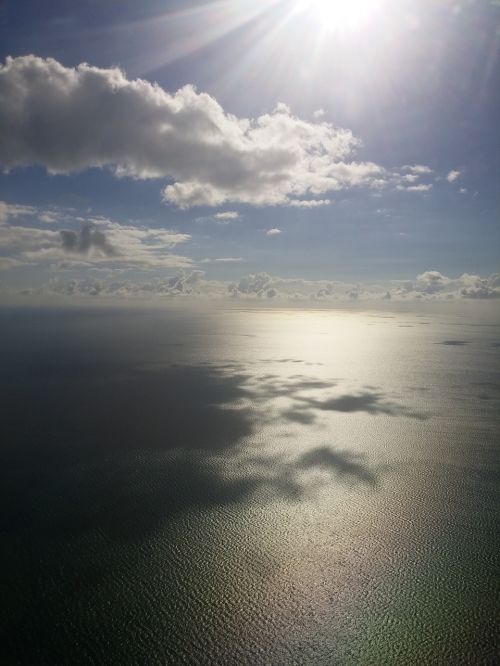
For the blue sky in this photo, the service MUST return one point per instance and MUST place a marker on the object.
(363, 135)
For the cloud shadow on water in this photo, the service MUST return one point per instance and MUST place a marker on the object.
(100, 436)
(342, 463)
(173, 408)
(122, 451)
(369, 402)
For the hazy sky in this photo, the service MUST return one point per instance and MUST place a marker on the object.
(295, 147)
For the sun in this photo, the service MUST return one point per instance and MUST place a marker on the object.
(338, 14)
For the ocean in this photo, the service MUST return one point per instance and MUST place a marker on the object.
(249, 485)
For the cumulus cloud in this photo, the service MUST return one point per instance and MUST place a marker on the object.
(429, 286)
(477, 287)
(263, 285)
(436, 286)
(69, 119)
(432, 282)
(273, 232)
(251, 285)
(184, 284)
(452, 176)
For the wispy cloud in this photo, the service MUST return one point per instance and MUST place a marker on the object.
(419, 169)
(227, 216)
(50, 217)
(7, 263)
(422, 187)
(9, 211)
(309, 203)
(98, 241)
(223, 260)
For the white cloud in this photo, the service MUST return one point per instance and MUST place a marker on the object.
(8, 211)
(474, 286)
(452, 176)
(410, 178)
(227, 216)
(99, 241)
(184, 284)
(431, 286)
(90, 117)
(251, 285)
(423, 187)
(419, 169)
(436, 286)
(273, 232)
(432, 282)
(14, 239)
(463, 190)
(223, 260)
(50, 217)
(309, 203)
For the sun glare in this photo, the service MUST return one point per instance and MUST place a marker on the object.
(339, 14)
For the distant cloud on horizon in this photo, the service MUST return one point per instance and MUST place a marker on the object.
(428, 286)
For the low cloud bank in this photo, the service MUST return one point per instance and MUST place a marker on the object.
(429, 286)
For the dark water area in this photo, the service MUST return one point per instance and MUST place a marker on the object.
(249, 487)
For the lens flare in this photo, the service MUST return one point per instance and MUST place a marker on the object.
(339, 14)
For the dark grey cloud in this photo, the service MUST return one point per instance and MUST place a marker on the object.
(88, 239)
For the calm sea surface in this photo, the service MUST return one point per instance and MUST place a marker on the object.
(249, 487)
